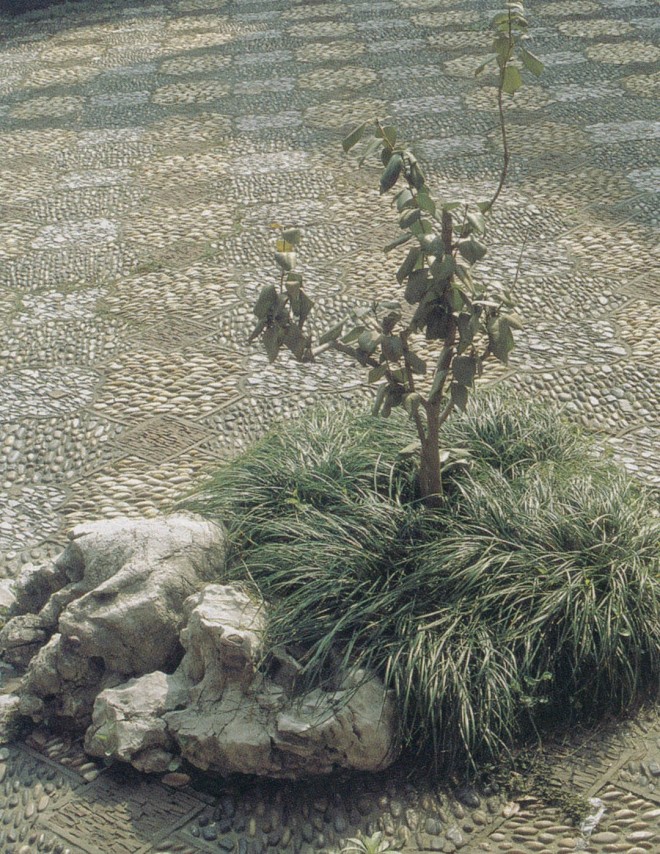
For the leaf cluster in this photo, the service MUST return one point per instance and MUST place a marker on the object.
(442, 301)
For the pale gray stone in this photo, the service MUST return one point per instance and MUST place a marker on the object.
(118, 613)
(235, 719)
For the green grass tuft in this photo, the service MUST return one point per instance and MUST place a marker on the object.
(531, 593)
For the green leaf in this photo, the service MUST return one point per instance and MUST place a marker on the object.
(532, 63)
(514, 320)
(464, 368)
(292, 236)
(286, 260)
(511, 80)
(404, 199)
(332, 334)
(464, 274)
(409, 264)
(437, 385)
(421, 228)
(437, 324)
(380, 398)
(417, 365)
(502, 49)
(468, 326)
(442, 268)
(392, 347)
(416, 176)
(500, 338)
(391, 173)
(371, 148)
(477, 220)
(353, 335)
(258, 329)
(412, 402)
(455, 299)
(294, 339)
(411, 449)
(388, 133)
(431, 243)
(305, 305)
(392, 318)
(266, 300)
(377, 373)
(271, 339)
(459, 395)
(481, 68)
(425, 201)
(368, 341)
(409, 217)
(500, 18)
(471, 249)
(417, 285)
(400, 240)
(354, 136)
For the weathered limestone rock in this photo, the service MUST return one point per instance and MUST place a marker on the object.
(127, 637)
(117, 613)
(128, 724)
(10, 717)
(235, 719)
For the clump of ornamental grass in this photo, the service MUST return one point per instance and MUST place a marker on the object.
(529, 593)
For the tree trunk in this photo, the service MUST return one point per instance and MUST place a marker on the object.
(429, 473)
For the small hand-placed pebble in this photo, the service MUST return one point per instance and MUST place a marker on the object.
(454, 835)
(175, 779)
(90, 776)
(510, 809)
(210, 832)
(468, 797)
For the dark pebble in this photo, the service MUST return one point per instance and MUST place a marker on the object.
(204, 821)
(210, 833)
(240, 823)
(224, 825)
(340, 824)
(274, 837)
(364, 806)
(227, 805)
(433, 826)
(469, 798)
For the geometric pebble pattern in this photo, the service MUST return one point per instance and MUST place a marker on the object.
(147, 149)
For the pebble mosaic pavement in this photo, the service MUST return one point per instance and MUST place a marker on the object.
(145, 150)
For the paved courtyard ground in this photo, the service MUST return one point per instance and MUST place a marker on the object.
(146, 150)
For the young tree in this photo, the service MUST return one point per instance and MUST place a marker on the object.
(469, 321)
